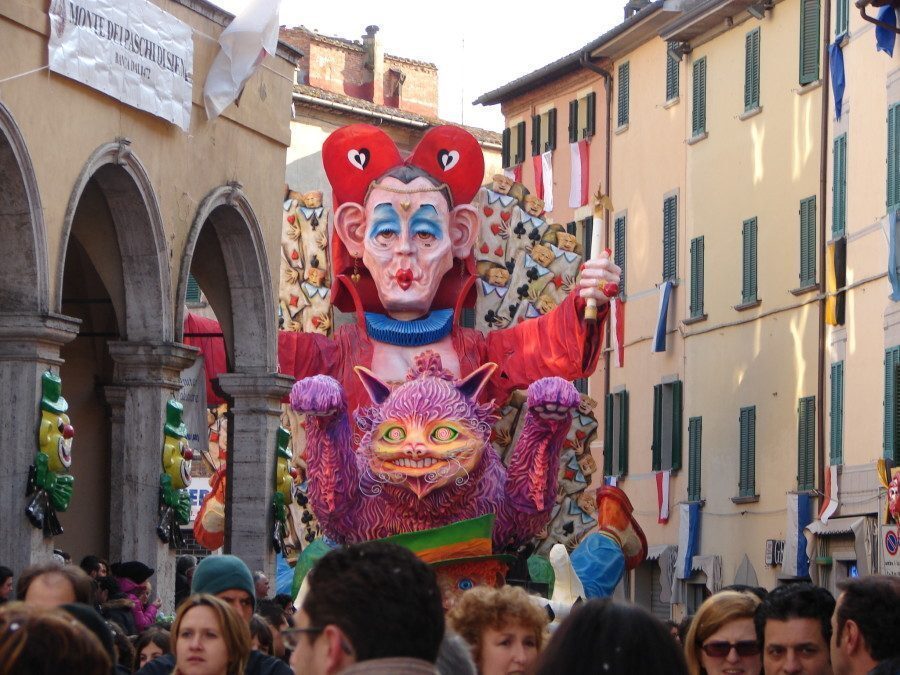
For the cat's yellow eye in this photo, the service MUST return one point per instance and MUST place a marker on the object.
(444, 434)
(394, 434)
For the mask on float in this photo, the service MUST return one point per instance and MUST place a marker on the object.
(177, 454)
(56, 431)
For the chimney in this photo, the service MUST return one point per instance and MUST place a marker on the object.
(375, 62)
(635, 6)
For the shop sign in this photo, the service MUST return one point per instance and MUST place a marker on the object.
(890, 550)
(197, 491)
(129, 49)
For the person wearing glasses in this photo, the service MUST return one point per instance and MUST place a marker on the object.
(371, 608)
(722, 638)
(793, 624)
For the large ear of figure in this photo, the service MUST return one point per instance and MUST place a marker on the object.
(463, 230)
(471, 386)
(350, 223)
(378, 390)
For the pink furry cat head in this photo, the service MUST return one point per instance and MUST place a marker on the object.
(430, 429)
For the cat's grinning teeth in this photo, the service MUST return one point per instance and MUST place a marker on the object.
(416, 464)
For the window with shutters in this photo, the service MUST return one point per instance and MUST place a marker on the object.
(749, 265)
(695, 446)
(809, 41)
(673, 68)
(806, 443)
(587, 234)
(893, 158)
(513, 148)
(623, 87)
(548, 130)
(581, 384)
(520, 143)
(573, 120)
(667, 407)
(841, 16)
(751, 70)
(698, 98)
(747, 471)
(535, 135)
(582, 117)
(836, 456)
(697, 263)
(619, 250)
(892, 404)
(670, 238)
(839, 187)
(506, 138)
(193, 290)
(467, 317)
(808, 242)
(615, 440)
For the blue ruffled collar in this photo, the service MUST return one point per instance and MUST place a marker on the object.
(417, 333)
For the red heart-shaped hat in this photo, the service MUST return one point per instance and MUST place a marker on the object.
(354, 156)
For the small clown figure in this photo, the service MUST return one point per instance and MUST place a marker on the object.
(534, 206)
(312, 199)
(502, 184)
(176, 455)
(542, 255)
(284, 487)
(49, 485)
(567, 242)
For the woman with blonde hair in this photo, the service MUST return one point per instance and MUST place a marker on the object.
(504, 628)
(722, 637)
(209, 638)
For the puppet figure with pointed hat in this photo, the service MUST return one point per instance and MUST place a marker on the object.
(175, 503)
(49, 485)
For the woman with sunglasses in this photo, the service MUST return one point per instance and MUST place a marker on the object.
(722, 638)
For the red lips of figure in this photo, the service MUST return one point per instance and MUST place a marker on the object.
(404, 278)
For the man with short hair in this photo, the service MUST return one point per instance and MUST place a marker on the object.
(865, 624)
(371, 608)
(261, 582)
(53, 584)
(94, 566)
(229, 579)
(793, 624)
(6, 584)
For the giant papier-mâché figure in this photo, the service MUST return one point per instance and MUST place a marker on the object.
(284, 487)
(174, 501)
(425, 458)
(49, 484)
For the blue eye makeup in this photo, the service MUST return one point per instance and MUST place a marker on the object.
(426, 221)
(386, 221)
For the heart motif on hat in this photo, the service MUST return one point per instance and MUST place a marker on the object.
(448, 159)
(358, 158)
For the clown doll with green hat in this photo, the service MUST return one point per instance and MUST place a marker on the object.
(49, 484)
(174, 501)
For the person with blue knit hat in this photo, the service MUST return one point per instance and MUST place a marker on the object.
(229, 579)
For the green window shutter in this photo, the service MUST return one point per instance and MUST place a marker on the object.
(656, 444)
(842, 17)
(504, 152)
(672, 75)
(677, 398)
(698, 98)
(891, 363)
(808, 242)
(624, 75)
(809, 41)
(535, 135)
(748, 288)
(697, 273)
(837, 413)
(670, 238)
(747, 477)
(573, 121)
(806, 443)
(893, 158)
(751, 70)
(619, 251)
(520, 143)
(572, 227)
(193, 290)
(623, 437)
(591, 117)
(608, 437)
(839, 188)
(467, 317)
(695, 438)
(587, 233)
(550, 144)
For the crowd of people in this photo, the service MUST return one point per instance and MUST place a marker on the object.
(377, 609)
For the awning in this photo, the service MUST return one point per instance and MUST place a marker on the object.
(655, 552)
(855, 526)
(665, 554)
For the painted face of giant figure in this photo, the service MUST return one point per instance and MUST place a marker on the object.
(407, 236)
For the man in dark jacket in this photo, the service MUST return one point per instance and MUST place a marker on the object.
(229, 579)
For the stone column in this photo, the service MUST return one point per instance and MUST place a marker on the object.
(147, 375)
(255, 415)
(29, 345)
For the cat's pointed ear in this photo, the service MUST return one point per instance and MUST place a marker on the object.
(471, 386)
(378, 390)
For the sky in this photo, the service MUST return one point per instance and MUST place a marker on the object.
(476, 46)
